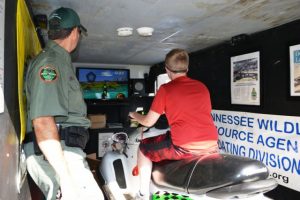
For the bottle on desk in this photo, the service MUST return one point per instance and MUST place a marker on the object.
(104, 93)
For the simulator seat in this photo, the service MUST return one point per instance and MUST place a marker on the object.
(218, 175)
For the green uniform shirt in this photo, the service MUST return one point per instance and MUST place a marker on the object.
(52, 89)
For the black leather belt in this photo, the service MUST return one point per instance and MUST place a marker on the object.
(30, 136)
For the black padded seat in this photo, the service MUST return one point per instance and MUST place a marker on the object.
(202, 174)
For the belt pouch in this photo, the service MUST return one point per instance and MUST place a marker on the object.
(76, 136)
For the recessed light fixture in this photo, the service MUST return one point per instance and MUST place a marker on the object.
(124, 31)
(145, 31)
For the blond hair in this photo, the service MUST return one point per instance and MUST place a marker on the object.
(177, 61)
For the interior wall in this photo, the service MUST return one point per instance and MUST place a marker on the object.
(10, 63)
(212, 66)
(10, 187)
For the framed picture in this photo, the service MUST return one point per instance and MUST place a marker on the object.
(104, 143)
(295, 70)
(245, 79)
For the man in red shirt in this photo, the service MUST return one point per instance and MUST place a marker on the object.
(186, 103)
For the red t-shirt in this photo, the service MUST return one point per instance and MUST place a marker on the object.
(186, 103)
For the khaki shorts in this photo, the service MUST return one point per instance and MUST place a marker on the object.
(47, 180)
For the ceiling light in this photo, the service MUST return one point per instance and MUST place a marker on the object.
(145, 31)
(124, 31)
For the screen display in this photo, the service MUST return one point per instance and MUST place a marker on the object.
(102, 83)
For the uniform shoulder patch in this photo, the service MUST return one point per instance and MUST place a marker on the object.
(48, 73)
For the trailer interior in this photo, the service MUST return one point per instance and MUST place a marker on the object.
(135, 35)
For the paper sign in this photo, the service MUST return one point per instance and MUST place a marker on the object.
(104, 143)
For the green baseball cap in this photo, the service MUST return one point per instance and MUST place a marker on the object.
(62, 18)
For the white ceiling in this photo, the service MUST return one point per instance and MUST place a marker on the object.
(188, 24)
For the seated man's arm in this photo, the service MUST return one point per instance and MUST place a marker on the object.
(146, 120)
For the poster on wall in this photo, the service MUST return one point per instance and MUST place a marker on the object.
(295, 70)
(245, 79)
(104, 143)
(271, 139)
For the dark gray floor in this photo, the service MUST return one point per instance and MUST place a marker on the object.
(283, 193)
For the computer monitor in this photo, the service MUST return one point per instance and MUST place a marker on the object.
(103, 83)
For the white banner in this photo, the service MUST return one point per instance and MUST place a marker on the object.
(272, 139)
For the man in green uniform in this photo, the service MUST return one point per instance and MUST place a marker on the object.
(57, 124)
